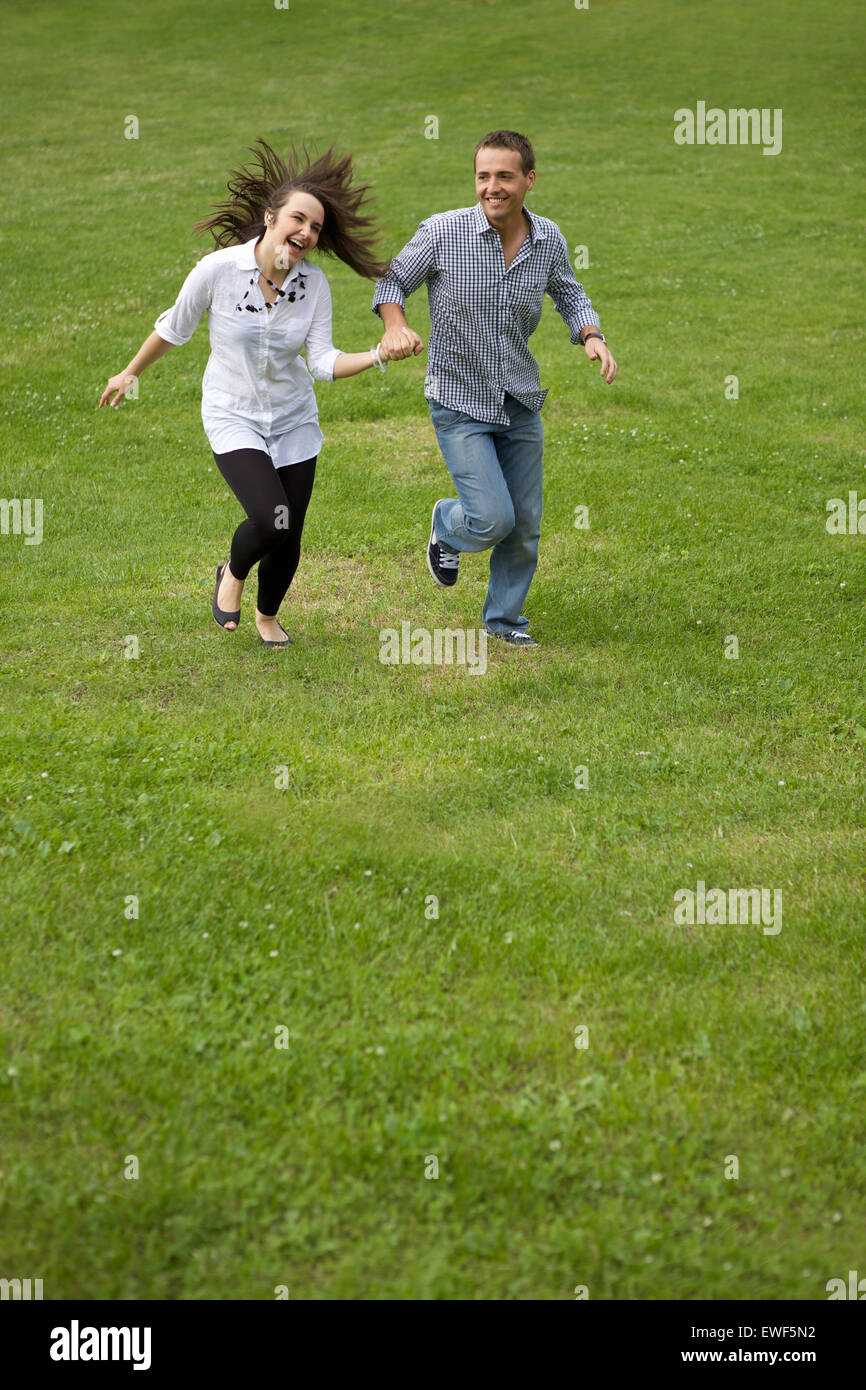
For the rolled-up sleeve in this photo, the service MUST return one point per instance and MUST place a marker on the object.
(568, 294)
(318, 345)
(178, 323)
(408, 270)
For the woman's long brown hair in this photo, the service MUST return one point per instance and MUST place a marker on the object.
(348, 232)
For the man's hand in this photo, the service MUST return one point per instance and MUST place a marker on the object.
(594, 347)
(400, 342)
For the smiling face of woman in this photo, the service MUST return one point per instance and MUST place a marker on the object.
(295, 229)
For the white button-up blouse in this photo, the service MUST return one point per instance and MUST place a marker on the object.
(257, 391)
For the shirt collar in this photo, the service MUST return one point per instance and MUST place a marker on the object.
(481, 223)
(245, 258)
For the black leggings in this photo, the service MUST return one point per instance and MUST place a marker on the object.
(275, 501)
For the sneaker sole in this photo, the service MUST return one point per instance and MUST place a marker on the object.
(500, 636)
(434, 576)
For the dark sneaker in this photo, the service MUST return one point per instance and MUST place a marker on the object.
(518, 637)
(441, 563)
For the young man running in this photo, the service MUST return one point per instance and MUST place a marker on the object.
(487, 269)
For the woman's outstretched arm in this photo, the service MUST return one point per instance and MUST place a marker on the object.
(174, 327)
(327, 363)
(151, 349)
(350, 363)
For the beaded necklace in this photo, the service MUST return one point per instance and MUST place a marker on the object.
(290, 295)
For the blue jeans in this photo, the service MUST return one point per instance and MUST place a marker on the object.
(497, 472)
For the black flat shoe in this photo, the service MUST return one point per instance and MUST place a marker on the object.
(287, 643)
(222, 617)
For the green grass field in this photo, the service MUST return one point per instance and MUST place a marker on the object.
(305, 907)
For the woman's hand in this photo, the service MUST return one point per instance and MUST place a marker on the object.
(350, 363)
(151, 350)
(120, 384)
(400, 342)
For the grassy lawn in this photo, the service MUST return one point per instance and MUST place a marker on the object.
(292, 1030)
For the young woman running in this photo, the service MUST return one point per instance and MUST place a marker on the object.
(265, 302)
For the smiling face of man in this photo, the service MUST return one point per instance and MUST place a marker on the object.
(501, 184)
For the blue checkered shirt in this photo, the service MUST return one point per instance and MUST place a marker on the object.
(482, 314)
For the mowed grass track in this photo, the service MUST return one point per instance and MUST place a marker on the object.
(411, 1037)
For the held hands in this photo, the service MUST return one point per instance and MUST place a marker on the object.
(400, 342)
(120, 384)
(595, 348)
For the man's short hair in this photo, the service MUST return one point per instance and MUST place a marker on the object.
(508, 140)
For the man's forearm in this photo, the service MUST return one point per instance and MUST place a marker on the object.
(392, 316)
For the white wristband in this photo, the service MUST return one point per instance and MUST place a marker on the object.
(377, 358)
